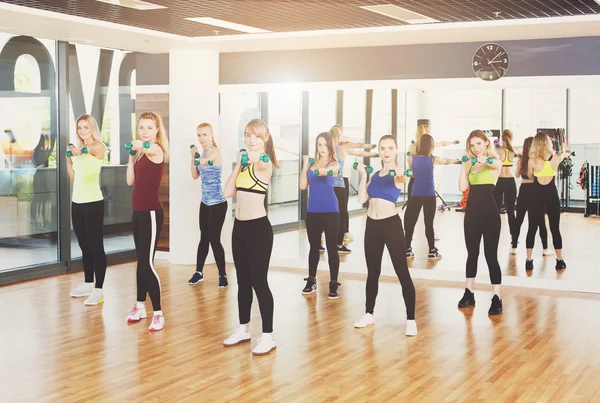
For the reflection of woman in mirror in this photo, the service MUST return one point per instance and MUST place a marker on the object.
(384, 228)
(506, 185)
(544, 162)
(423, 193)
(341, 187)
(526, 193)
(322, 214)
(252, 237)
(482, 217)
(213, 207)
(144, 172)
(84, 162)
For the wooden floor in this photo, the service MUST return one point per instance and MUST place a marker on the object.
(54, 349)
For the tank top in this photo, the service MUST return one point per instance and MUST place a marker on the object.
(321, 197)
(212, 193)
(247, 181)
(422, 167)
(483, 177)
(506, 162)
(147, 183)
(546, 170)
(339, 179)
(383, 187)
(86, 186)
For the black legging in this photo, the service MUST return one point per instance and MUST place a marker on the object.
(387, 232)
(347, 217)
(525, 194)
(88, 224)
(412, 215)
(340, 193)
(508, 188)
(482, 219)
(409, 190)
(316, 224)
(211, 224)
(545, 200)
(146, 231)
(252, 243)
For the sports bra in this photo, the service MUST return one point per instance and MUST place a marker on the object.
(506, 162)
(247, 181)
(383, 187)
(484, 177)
(546, 170)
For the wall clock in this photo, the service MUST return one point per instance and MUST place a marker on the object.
(490, 62)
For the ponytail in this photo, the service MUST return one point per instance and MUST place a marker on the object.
(214, 142)
(507, 138)
(270, 150)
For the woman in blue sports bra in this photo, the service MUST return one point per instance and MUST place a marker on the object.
(322, 214)
(213, 208)
(544, 162)
(526, 193)
(384, 228)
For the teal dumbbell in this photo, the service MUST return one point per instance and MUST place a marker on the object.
(465, 159)
(146, 145)
(132, 152)
(316, 172)
(196, 155)
(196, 163)
(330, 173)
(456, 141)
(264, 158)
(408, 172)
(412, 142)
(311, 160)
(244, 160)
(84, 150)
(368, 169)
(573, 154)
(128, 146)
(408, 154)
(69, 154)
(210, 163)
(192, 146)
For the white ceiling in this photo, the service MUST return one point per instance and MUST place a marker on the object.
(43, 24)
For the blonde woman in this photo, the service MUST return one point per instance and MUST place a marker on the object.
(544, 163)
(507, 185)
(482, 217)
(213, 208)
(84, 163)
(342, 149)
(144, 172)
(252, 238)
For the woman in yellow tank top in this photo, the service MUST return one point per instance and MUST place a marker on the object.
(506, 186)
(84, 163)
(544, 163)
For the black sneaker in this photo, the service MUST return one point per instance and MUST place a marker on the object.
(333, 290)
(311, 286)
(321, 249)
(529, 264)
(342, 250)
(433, 254)
(560, 264)
(196, 278)
(467, 300)
(410, 253)
(223, 282)
(496, 307)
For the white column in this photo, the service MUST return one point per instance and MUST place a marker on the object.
(194, 98)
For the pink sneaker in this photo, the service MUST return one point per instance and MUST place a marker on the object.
(158, 322)
(137, 313)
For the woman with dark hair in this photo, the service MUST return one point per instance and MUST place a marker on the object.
(482, 217)
(423, 193)
(526, 193)
(506, 185)
(322, 214)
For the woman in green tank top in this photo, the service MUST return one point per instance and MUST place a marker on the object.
(84, 163)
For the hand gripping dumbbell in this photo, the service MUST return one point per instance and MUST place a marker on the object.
(368, 169)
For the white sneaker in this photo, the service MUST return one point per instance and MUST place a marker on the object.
(365, 320)
(513, 251)
(82, 290)
(158, 322)
(547, 252)
(138, 312)
(240, 336)
(265, 345)
(96, 298)
(411, 328)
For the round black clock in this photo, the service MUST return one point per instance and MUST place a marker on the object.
(490, 62)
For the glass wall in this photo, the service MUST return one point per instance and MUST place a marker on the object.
(354, 124)
(28, 141)
(95, 89)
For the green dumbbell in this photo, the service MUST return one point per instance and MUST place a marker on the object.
(376, 156)
(196, 155)
(311, 160)
(196, 163)
(146, 145)
(408, 172)
(128, 146)
(412, 142)
(84, 150)
(330, 173)
(408, 153)
(573, 154)
(264, 158)
(316, 172)
(368, 169)
(192, 146)
(69, 154)
(210, 163)
(456, 141)
(132, 152)
(244, 160)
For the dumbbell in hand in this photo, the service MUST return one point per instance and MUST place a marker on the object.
(367, 169)
(408, 172)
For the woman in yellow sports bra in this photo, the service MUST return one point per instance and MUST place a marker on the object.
(506, 185)
(84, 163)
(482, 217)
(544, 163)
(252, 239)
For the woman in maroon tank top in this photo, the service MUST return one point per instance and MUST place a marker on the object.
(144, 172)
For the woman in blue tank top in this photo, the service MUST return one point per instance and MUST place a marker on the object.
(207, 166)
(384, 228)
(423, 193)
(322, 214)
